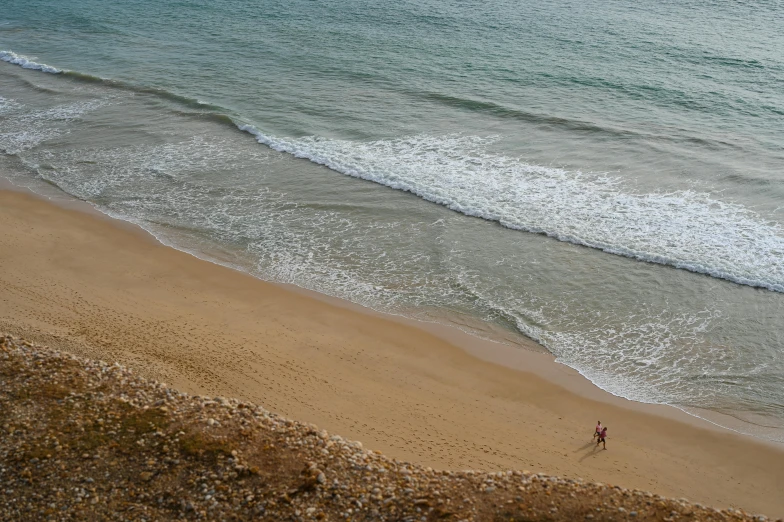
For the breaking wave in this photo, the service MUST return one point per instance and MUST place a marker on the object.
(26, 63)
(685, 229)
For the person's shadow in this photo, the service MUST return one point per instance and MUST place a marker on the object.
(594, 450)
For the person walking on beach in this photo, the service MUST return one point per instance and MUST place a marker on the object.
(602, 437)
(598, 429)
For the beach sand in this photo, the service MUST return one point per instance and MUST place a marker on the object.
(95, 287)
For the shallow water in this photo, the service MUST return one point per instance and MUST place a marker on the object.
(606, 179)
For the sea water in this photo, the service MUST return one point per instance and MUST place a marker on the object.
(604, 177)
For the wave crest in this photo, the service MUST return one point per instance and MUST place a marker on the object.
(26, 63)
(684, 229)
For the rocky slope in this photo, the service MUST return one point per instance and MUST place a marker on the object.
(86, 440)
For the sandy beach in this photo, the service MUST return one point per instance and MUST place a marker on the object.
(95, 287)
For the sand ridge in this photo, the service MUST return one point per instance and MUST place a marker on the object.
(85, 285)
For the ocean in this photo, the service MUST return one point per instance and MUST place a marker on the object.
(604, 177)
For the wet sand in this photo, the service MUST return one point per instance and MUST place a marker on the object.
(92, 286)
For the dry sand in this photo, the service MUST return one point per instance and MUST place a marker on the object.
(87, 285)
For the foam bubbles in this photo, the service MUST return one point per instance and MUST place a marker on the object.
(685, 229)
(25, 129)
(646, 357)
(7, 105)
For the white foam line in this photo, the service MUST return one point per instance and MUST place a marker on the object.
(726, 241)
(26, 63)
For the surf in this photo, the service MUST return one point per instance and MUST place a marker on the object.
(26, 63)
(687, 230)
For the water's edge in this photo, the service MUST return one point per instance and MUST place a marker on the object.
(528, 356)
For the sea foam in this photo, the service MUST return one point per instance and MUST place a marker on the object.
(23, 131)
(685, 229)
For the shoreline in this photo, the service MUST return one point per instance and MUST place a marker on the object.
(330, 374)
(527, 356)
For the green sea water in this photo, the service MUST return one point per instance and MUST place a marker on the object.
(606, 178)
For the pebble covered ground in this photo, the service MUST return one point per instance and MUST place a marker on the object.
(87, 440)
